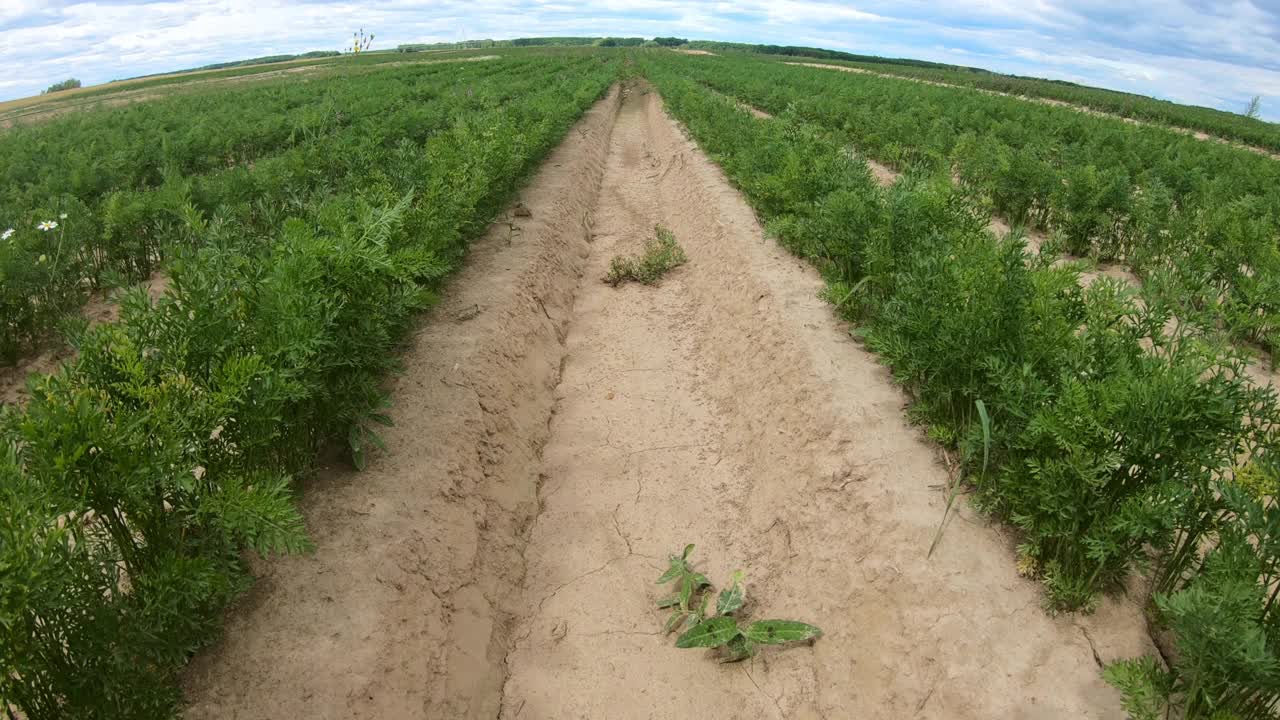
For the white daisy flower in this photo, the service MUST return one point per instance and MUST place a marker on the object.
(6, 234)
(63, 216)
(47, 225)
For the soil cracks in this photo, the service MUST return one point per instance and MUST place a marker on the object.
(499, 564)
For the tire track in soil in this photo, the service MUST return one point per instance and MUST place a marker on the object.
(728, 407)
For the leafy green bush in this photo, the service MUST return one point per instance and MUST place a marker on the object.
(1227, 664)
(68, 84)
(660, 255)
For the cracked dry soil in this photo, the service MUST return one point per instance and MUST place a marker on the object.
(553, 448)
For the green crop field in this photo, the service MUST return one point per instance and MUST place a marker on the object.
(1217, 123)
(302, 222)
(300, 227)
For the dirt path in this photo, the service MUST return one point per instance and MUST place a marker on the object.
(730, 409)
(1197, 134)
(551, 450)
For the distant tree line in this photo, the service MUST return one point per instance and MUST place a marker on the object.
(534, 42)
(620, 42)
(817, 53)
(488, 43)
(545, 42)
(68, 84)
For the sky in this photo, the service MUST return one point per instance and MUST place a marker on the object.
(1217, 53)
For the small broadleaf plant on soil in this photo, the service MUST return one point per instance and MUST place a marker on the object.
(661, 254)
(720, 629)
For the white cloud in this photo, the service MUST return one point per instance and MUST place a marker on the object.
(1200, 51)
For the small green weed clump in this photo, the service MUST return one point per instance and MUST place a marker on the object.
(660, 255)
(705, 628)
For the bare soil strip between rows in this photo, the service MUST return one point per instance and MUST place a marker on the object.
(552, 449)
(102, 307)
(1197, 134)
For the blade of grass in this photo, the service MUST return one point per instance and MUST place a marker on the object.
(955, 484)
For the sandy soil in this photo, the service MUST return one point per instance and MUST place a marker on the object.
(557, 437)
(104, 307)
(1197, 134)
(887, 176)
(13, 378)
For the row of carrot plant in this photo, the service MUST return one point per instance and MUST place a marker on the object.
(97, 199)
(139, 472)
(1110, 444)
(1199, 218)
(1217, 123)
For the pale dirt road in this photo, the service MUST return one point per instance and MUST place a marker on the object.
(552, 450)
